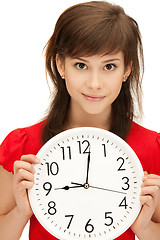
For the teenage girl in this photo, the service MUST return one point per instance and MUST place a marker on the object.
(95, 60)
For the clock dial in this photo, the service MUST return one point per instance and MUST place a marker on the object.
(87, 185)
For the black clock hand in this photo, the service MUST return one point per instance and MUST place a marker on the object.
(68, 187)
(88, 164)
(77, 184)
(106, 189)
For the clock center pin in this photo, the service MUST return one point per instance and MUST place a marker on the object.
(86, 185)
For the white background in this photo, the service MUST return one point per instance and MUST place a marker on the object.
(25, 27)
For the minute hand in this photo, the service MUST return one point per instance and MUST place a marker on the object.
(106, 189)
(88, 163)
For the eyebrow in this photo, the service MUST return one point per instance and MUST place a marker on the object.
(108, 60)
(81, 59)
(111, 60)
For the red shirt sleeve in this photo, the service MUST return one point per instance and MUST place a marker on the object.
(146, 144)
(155, 156)
(12, 148)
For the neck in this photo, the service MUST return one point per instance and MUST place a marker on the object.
(82, 119)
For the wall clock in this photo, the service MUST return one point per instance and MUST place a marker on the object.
(87, 185)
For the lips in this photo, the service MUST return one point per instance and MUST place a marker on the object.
(93, 98)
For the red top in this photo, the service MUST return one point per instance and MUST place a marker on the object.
(144, 142)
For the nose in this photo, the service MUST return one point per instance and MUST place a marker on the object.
(94, 81)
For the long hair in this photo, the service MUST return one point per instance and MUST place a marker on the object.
(87, 29)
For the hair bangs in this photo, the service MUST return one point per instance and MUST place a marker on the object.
(96, 39)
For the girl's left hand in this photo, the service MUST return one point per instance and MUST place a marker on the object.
(149, 199)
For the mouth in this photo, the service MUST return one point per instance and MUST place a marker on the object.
(93, 98)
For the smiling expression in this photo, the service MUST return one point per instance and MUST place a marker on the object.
(93, 83)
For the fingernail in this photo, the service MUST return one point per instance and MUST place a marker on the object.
(37, 160)
(144, 178)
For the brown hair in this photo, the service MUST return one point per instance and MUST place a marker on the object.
(87, 29)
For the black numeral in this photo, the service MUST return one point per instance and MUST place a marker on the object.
(123, 203)
(104, 148)
(89, 227)
(122, 162)
(85, 148)
(71, 216)
(52, 168)
(126, 183)
(66, 152)
(108, 218)
(47, 186)
(52, 210)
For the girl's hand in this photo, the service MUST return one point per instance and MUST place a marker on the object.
(22, 181)
(149, 199)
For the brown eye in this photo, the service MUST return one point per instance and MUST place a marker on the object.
(110, 67)
(81, 65)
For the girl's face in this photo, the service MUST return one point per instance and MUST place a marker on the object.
(93, 82)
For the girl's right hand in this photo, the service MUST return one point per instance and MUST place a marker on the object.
(22, 181)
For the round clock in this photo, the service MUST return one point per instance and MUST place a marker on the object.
(87, 185)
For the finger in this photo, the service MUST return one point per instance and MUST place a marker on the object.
(24, 175)
(151, 176)
(145, 175)
(27, 185)
(149, 190)
(147, 199)
(30, 158)
(23, 165)
(151, 182)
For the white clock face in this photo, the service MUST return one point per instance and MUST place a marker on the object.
(87, 185)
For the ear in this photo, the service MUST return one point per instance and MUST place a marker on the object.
(60, 65)
(127, 72)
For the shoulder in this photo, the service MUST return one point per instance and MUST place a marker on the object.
(29, 136)
(140, 130)
(19, 142)
(141, 134)
(34, 132)
(146, 144)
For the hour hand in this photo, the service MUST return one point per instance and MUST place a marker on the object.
(68, 187)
